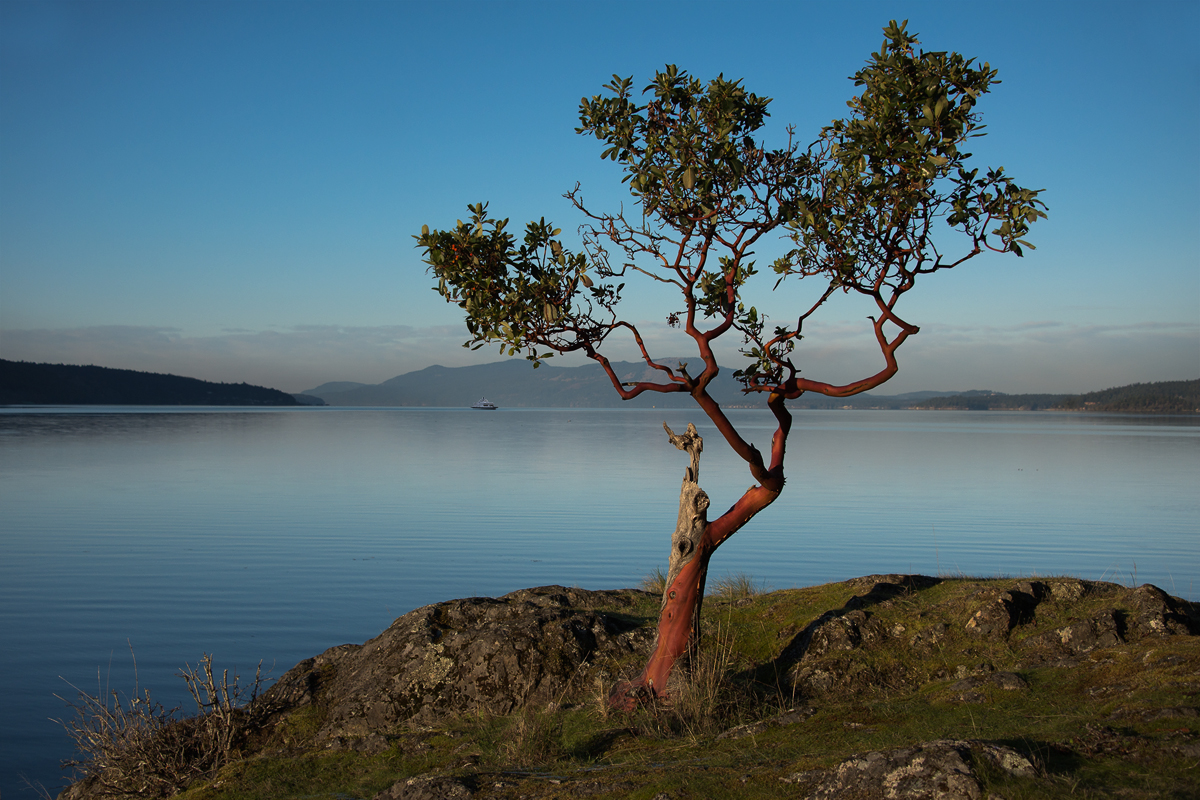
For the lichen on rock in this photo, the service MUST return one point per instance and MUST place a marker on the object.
(476, 655)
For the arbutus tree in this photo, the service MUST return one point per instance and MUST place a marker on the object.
(878, 199)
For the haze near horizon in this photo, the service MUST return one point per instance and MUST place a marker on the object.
(228, 191)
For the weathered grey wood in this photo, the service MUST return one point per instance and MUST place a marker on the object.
(692, 521)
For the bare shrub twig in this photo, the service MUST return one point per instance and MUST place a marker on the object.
(134, 746)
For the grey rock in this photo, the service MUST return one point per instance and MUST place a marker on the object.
(1156, 714)
(1146, 611)
(833, 632)
(853, 625)
(1009, 681)
(965, 691)
(881, 588)
(941, 770)
(926, 639)
(371, 744)
(478, 655)
(1003, 611)
(811, 663)
(1107, 629)
(1068, 590)
(589, 788)
(427, 787)
(1156, 613)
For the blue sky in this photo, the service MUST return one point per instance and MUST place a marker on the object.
(229, 190)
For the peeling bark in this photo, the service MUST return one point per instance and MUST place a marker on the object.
(683, 596)
(690, 528)
(693, 506)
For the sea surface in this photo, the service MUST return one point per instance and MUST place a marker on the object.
(162, 534)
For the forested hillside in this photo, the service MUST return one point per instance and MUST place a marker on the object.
(1166, 397)
(25, 383)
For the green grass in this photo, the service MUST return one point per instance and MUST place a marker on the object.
(315, 777)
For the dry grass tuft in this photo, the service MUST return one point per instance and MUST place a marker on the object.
(705, 697)
(737, 586)
(655, 582)
(137, 747)
(535, 738)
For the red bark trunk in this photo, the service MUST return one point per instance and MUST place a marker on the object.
(679, 620)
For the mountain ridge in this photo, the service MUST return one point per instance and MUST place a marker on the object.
(513, 383)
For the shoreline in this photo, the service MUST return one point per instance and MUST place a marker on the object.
(948, 678)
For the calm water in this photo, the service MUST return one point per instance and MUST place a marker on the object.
(274, 534)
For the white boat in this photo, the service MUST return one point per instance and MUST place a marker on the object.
(485, 405)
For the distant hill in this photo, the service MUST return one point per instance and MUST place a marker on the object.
(1166, 397)
(978, 400)
(514, 383)
(24, 383)
(335, 386)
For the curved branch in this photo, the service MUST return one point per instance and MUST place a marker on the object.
(640, 386)
(794, 386)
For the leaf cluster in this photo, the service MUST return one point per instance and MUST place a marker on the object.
(522, 295)
(689, 152)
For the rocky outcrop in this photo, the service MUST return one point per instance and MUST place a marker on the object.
(1004, 610)
(825, 657)
(944, 770)
(1156, 613)
(478, 655)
